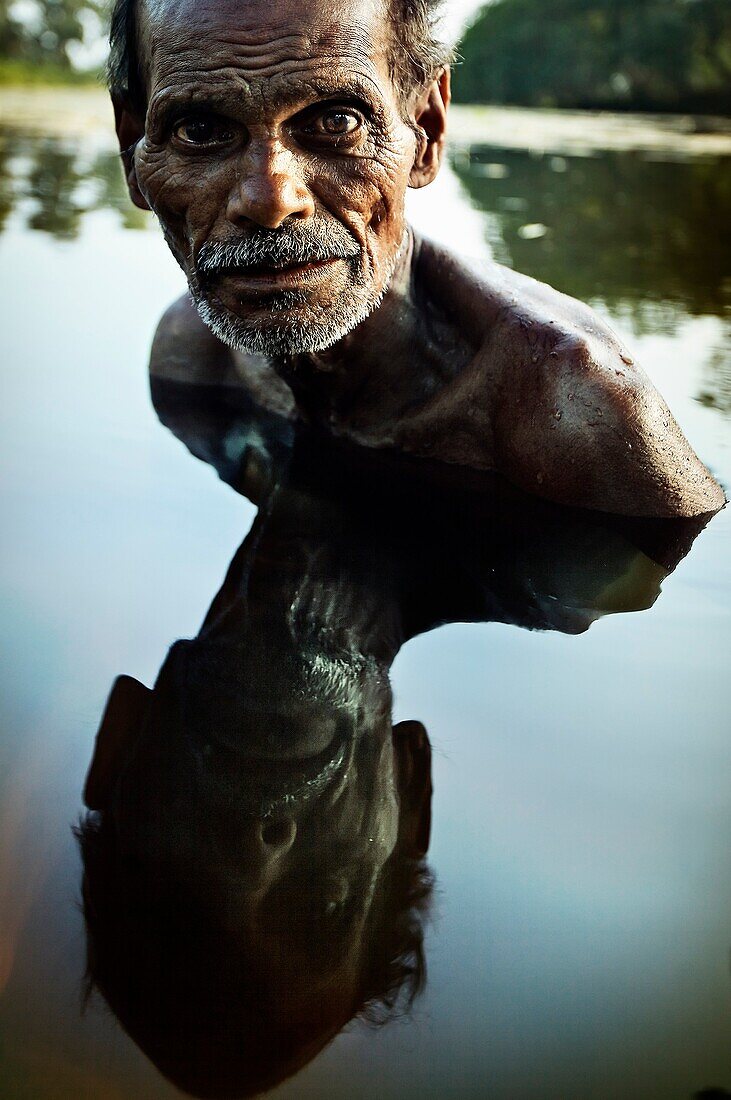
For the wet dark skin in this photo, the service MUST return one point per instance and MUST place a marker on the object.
(263, 114)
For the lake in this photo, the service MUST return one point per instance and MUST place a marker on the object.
(570, 672)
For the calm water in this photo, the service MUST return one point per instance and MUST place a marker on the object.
(579, 929)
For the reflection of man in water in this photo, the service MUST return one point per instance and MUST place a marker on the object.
(254, 854)
(254, 861)
(275, 141)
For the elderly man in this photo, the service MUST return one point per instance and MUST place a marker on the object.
(275, 142)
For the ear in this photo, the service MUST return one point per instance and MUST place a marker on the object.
(430, 117)
(130, 129)
(120, 727)
(413, 752)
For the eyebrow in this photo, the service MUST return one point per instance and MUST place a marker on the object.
(354, 86)
(226, 96)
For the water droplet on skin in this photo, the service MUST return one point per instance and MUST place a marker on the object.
(557, 414)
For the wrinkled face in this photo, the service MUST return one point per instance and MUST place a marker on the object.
(263, 773)
(277, 160)
(293, 872)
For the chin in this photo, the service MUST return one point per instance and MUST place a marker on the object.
(287, 321)
(300, 330)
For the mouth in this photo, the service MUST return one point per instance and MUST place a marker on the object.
(265, 786)
(272, 276)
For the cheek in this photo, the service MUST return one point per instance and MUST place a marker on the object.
(186, 195)
(368, 195)
(367, 191)
(390, 171)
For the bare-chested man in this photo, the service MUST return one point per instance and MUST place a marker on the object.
(275, 142)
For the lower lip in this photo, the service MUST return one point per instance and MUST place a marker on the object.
(277, 279)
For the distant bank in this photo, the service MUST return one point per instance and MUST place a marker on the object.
(15, 73)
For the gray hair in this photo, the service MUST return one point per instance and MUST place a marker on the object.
(418, 53)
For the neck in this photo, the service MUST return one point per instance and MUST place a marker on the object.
(301, 577)
(392, 362)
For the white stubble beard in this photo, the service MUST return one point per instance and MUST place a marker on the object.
(312, 334)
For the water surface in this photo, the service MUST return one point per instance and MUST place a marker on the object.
(580, 928)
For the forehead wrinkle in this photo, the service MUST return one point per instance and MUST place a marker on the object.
(324, 72)
(222, 85)
(357, 40)
(165, 34)
(205, 37)
(191, 58)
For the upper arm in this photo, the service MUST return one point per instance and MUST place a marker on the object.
(582, 425)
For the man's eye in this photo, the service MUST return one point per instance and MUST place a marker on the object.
(204, 131)
(336, 123)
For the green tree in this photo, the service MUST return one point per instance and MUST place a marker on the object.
(641, 54)
(45, 37)
(11, 32)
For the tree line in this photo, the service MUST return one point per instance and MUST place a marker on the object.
(656, 55)
(43, 34)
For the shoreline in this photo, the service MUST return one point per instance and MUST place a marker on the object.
(583, 133)
(84, 111)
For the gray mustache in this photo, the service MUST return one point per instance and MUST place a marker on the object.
(276, 248)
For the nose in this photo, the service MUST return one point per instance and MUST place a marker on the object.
(259, 847)
(265, 840)
(277, 834)
(269, 188)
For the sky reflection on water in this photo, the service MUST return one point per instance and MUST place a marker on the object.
(581, 809)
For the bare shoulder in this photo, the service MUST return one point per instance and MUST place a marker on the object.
(576, 419)
(185, 350)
